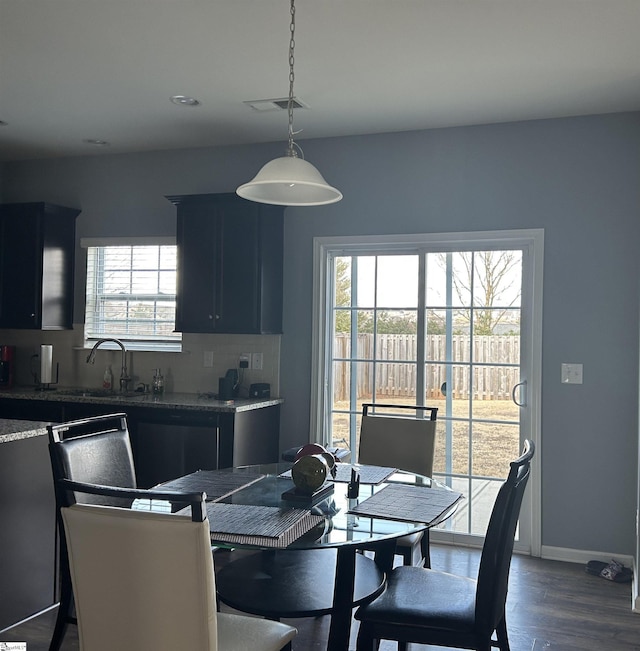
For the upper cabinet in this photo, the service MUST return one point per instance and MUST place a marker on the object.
(37, 255)
(229, 265)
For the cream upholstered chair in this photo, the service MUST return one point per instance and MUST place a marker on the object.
(144, 581)
(406, 443)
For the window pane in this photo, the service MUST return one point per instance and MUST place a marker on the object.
(116, 282)
(397, 322)
(397, 284)
(494, 446)
(144, 282)
(497, 278)
(145, 257)
(342, 282)
(396, 347)
(395, 383)
(167, 282)
(458, 290)
(366, 270)
(168, 257)
(455, 457)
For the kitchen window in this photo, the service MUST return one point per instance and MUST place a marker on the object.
(131, 295)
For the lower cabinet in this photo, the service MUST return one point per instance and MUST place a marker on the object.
(27, 530)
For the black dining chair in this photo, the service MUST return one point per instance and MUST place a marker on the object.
(406, 443)
(431, 607)
(94, 450)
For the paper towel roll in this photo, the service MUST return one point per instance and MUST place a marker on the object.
(46, 364)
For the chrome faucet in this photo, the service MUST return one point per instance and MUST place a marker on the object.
(124, 376)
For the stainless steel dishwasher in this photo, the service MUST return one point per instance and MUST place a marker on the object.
(178, 444)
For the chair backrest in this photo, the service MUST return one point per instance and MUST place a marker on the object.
(142, 581)
(493, 575)
(406, 443)
(93, 450)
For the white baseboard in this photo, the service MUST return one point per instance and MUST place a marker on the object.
(569, 555)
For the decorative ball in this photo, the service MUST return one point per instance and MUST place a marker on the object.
(310, 448)
(309, 473)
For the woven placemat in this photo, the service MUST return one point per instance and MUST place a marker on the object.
(217, 484)
(261, 526)
(408, 503)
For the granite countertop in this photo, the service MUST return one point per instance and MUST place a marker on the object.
(190, 401)
(16, 430)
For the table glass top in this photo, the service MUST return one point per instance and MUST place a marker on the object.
(338, 526)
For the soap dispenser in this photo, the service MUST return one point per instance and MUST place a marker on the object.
(157, 386)
(107, 380)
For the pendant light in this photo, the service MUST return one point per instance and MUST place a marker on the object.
(290, 180)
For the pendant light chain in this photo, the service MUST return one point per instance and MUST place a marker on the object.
(290, 180)
(292, 45)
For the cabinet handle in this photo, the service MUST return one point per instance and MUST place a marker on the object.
(217, 316)
(211, 317)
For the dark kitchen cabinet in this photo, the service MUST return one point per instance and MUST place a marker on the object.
(229, 265)
(37, 253)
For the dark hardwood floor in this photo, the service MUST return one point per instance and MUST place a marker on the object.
(552, 606)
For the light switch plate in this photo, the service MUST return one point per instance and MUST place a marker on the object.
(572, 374)
(207, 360)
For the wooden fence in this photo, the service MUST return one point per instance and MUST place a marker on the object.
(395, 368)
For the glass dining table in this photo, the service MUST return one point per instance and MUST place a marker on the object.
(318, 572)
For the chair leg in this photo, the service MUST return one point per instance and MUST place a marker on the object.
(65, 615)
(63, 618)
(426, 549)
(501, 635)
(365, 640)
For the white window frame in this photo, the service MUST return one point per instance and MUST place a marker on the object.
(159, 344)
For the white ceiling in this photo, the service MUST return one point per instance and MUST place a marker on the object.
(105, 69)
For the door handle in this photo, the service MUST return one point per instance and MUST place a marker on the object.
(513, 393)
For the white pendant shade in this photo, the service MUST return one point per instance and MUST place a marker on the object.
(289, 181)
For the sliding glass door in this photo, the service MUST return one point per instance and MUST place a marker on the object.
(441, 326)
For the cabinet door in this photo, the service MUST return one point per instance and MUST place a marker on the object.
(198, 238)
(37, 255)
(238, 280)
(20, 268)
(229, 265)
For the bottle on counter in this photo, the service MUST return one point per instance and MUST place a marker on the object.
(107, 380)
(157, 385)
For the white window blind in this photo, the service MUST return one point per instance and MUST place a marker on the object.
(131, 296)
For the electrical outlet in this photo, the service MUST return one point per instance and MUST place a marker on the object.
(244, 360)
(256, 361)
(207, 360)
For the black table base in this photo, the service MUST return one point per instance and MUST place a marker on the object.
(293, 583)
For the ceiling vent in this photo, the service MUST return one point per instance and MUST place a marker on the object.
(280, 104)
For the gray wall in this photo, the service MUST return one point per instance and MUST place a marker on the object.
(576, 178)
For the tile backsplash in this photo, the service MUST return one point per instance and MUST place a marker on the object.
(183, 372)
